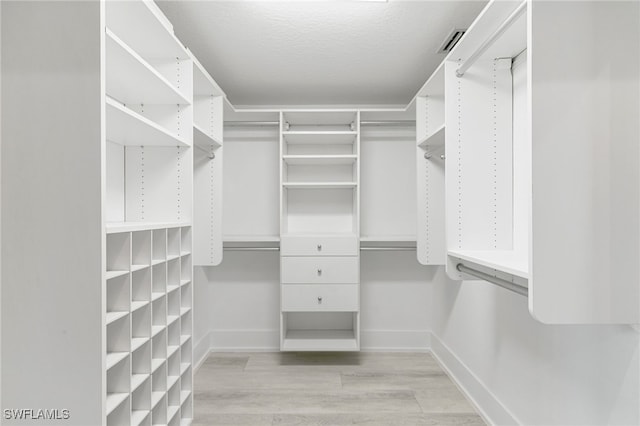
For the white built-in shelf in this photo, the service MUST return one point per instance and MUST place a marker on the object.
(114, 400)
(173, 256)
(251, 238)
(114, 358)
(435, 139)
(138, 416)
(156, 295)
(319, 185)
(388, 238)
(117, 227)
(137, 342)
(506, 261)
(184, 282)
(184, 395)
(184, 339)
(172, 288)
(127, 127)
(184, 367)
(184, 310)
(186, 422)
(156, 329)
(137, 304)
(156, 397)
(327, 137)
(318, 160)
(132, 80)
(115, 274)
(156, 363)
(153, 36)
(155, 262)
(172, 410)
(171, 319)
(314, 340)
(203, 139)
(135, 268)
(137, 380)
(172, 349)
(115, 316)
(171, 381)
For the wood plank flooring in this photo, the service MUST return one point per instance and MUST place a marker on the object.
(336, 389)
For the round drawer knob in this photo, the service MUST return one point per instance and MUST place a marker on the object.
(319, 272)
(319, 247)
(319, 300)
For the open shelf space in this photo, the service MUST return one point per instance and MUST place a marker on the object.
(114, 400)
(204, 140)
(116, 274)
(139, 416)
(387, 238)
(319, 185)
(435, 139)
(118, 227)
(319, 160)
(114, 358)
(325, 340)
(132, 80)
(251, 238)
(320, 137)
(506, 261)
(127, 127)
(115, 316)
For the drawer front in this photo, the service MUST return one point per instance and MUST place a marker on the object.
(320, 270)
(320, 298)
(319, 246)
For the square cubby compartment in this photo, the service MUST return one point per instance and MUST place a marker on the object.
(141, 285)
(118, 335)
(159, 279)
(159, 252)
(186, 323)
(141, 322)
(141, 402)
(185, 270)
(118, 252)
(159, 347)
(173, 243)
(141, 248)
(173, 334)
(185, 240)
(173, 274)
(173, 303)
(141, 358)
(159, 410)
(186, 294)
(118, 412)
(186, 406)
(173, 398)
(173, 364)
(185, 349)
(118, 297)
(159, 312)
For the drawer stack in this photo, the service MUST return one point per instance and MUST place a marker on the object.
(319, 243)
(320, 295)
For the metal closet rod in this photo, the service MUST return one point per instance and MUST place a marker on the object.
(492, 38)
(522, 291)
(378, 248)
(210, 154)
(277, 123)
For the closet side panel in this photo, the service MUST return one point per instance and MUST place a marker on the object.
(585, 161)
(52, 224)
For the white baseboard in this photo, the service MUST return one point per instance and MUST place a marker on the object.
(395, 340)
(248, 340)
(484, 401)
(201, 351)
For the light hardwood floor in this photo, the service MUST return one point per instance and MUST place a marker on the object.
(327, 389)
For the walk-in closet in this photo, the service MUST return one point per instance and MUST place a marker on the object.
(377, 212)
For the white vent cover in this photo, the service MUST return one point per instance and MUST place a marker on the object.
(452, 39)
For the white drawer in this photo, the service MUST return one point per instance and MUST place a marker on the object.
(320, 270)
(320, 298)
(319, 245)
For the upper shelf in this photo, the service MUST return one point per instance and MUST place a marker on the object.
(320, 137)
(201, 138)
(316, 160)
(145, 28)
(117, 227)
(127, 127)
(131, 79)
(319, 185)
(435, 139)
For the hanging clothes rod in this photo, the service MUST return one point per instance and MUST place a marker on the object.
(251, 248)
(210, 154)
(523, 291)
(388, 248)
(364, 123)
(492, 38)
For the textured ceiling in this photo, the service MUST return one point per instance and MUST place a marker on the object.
(318, 52)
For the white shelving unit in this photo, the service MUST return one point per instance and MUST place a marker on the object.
(207, 169)
(430, 166)
(320, 204)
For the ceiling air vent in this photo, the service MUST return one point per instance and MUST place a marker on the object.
(452, 39)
